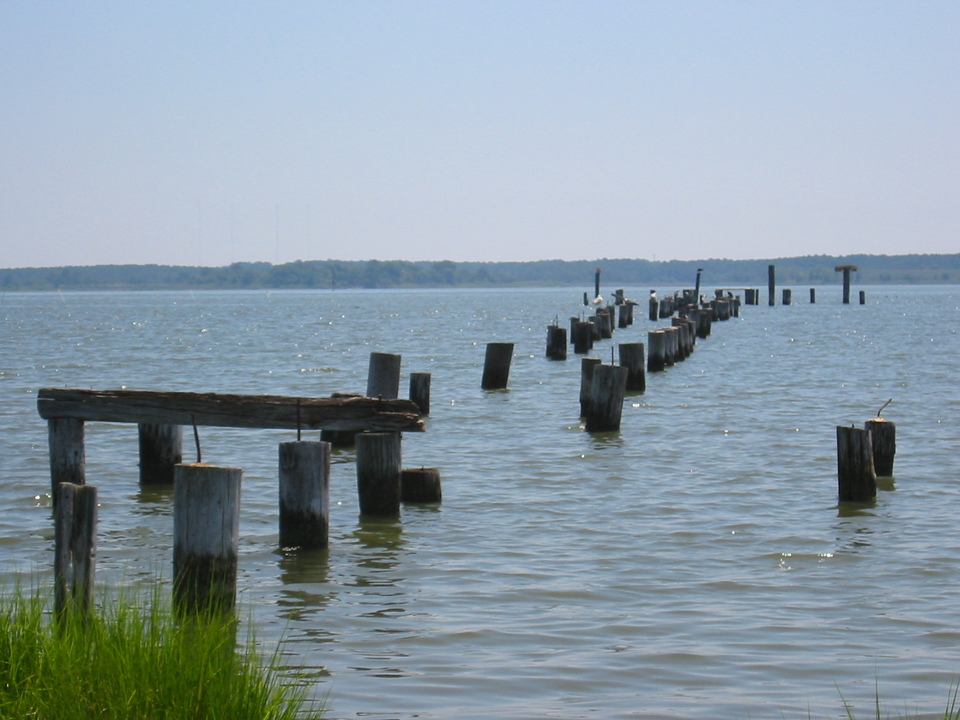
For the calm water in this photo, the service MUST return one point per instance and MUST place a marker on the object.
(694, 565)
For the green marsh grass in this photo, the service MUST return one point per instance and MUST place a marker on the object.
(133, 658)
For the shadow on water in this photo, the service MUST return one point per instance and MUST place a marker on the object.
(154, 500)
(305, 581)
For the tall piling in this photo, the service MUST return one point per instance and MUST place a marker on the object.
(771, 285)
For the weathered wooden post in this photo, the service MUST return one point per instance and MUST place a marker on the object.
(596, 284)
(669, 344)
(420, 485)
(605, 407)
(632, 358)
(420, 391)
(787, 296)
(67, 455)
(383, 376)
(654, 308)
(582, 337)
(845, 269)
(378, 473)
(556, 342)
(863, 297)
(304, 494)
(883, 434)
(75, 547)
(696, 289)
(813, 296)
(656, 351)
(161, 449)
(771, 284)
(206, 533)
(857, 479)
(587, 366)
(496, 365)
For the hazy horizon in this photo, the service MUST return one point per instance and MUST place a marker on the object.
(175, 134)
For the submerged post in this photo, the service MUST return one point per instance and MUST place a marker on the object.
(378, 474)
(206, 532)
(304, 494)
(420, 485)
(161, 449)
(75, 547)
(857, 479)
(496, 366)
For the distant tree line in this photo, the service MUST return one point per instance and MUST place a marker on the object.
(333, 274)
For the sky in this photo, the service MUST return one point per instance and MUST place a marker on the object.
(186, 133)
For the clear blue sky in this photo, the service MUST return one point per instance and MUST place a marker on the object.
(204, 133)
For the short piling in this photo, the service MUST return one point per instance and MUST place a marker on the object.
(206, 533)
(587, 366)
(420, 391)
(304, 494)
(883, 434)
(605, 407)
(863, 297)
(496, 365)
(656, 351)
(383, 376)
(420, 485)
(161, 449)
(75, 547)
(813, 296)
(787, 296)
(855, 471)
(582, 337)
(378, 474)
(556, 342)
(632, 358)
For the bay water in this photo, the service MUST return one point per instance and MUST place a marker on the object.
(695, 564)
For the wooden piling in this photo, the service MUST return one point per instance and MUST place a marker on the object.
(632, 358)
(161, 449)
(378, 474)
(845, 269)
(813, 296)
(496, 365)
(383, 376)
(420, 391)
(587, 366)
(596, 284)
(787, 296)
(304, 494)
(556, 342)
(883, 434)
(863, 297)
(67, 454)
(605, 407)
(855, 471)
(771, 284)
(670, 336)
(654, 307)
(206, 531)
(420, 485)
(582, 337)
(75, 547)
(656, 351)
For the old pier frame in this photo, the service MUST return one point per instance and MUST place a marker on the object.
(66, 411)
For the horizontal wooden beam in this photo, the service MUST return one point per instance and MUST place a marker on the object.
(241, 411)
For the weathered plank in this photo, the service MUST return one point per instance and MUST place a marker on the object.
(241, 411)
